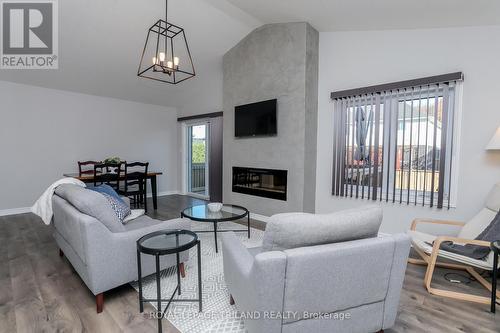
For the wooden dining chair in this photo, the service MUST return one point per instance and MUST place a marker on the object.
(86, 167)
(108, 173)
(135, 180)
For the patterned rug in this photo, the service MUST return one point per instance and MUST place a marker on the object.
(217, 316)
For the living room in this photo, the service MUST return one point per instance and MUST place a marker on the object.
(232, 166)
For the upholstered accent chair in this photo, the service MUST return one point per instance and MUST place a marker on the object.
(427, 246)
(318, 273)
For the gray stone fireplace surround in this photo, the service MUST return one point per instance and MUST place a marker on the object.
(274, 61)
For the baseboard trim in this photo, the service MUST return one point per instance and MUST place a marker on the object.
(14, 211)
(160, 194)
(259, 217)
(197, 196)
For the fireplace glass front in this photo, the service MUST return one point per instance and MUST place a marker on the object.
(267, 183)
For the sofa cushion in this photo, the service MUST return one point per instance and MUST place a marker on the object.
(91, 203)
(287, 231)
(255, 250)
(105, 188)
(141, 222)
(119, 207)
(134, 213)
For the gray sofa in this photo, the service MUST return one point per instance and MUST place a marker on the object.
(102, 250)
(318, 273)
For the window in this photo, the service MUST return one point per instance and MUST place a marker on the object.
(396, 142)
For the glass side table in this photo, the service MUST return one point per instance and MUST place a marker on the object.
(161, 243)
(495, 247)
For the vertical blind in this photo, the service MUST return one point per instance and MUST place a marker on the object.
(395, 142)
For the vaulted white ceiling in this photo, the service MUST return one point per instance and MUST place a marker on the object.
(100, 44)
(342, 15)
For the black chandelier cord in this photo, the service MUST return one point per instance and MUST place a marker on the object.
(166, 31)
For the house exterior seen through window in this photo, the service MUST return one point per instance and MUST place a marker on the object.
(397, 145)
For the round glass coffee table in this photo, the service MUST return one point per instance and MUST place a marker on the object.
(161, 243)
(201, 213)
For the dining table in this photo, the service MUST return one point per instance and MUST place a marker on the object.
(152, 175)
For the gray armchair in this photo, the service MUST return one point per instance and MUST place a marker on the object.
(340, 277)
(104, 258)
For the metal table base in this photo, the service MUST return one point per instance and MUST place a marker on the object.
(215, 230)
(159, 313)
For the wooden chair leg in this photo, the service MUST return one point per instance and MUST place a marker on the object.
(61, 253)
(417, 261)
(452, 294)
(432, 263)
(99, 301)
(430, 270)
(231, 300)
(182, 269)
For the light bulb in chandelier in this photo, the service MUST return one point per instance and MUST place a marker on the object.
(162, 57)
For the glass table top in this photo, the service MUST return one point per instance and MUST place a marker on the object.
(168, 240)
(496, 246)
(228, 212)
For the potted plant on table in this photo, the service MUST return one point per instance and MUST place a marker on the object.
(113, 160)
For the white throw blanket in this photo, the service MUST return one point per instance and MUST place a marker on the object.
(43, 206)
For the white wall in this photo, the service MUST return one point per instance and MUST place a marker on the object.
(99, 55)
(44, 132)
(357, 59)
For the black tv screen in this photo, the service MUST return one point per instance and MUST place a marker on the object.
(256, 119)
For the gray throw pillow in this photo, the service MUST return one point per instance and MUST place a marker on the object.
(91, 203)
(119, 206)
(292, 230)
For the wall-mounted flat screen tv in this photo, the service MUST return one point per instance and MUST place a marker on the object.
(256, 119)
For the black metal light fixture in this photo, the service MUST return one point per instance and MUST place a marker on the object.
(166, 56)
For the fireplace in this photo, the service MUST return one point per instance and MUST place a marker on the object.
(267, 183)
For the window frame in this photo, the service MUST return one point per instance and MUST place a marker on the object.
(388, 138)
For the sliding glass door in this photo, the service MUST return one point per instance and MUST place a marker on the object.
(197, 159)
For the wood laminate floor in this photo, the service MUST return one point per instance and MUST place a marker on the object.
(39, 291)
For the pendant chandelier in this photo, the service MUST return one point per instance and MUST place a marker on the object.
(166, 56)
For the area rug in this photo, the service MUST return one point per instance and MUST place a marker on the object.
(217, 316)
